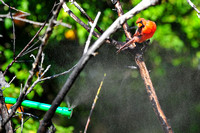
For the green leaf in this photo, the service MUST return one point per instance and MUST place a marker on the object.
(8, 23)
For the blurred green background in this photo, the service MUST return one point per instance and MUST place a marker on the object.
(173, 59)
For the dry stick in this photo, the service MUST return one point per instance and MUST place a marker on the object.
(93, 105)
(36, 62)
(194, 7)
(39, 79)
(90, 35)
(44, 124)
(3, 109)
(72, 15)
(24, 48)
(14, 37)
(13, 8)
(152, 94)
(29, 116)
(34, 22)
(4, 115)
(22, 122)
(86, 15)
(59, 74)
(125, 25)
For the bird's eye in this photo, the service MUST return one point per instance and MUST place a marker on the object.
(139, 24)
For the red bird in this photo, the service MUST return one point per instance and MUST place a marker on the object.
(146, 29)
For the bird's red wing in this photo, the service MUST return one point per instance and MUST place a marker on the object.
(150, 27)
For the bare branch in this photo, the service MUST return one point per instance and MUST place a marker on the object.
(3, 109)
(56, 75)
(41, 74)
(24, 48)
(39, 79)
(14, 37)
(29, 116)
(194, 7)
(12, 79)
(93, 105)
(86, 15)
(91, 31)
(14, 8)
(120, 13)
(108, 40)
(152, 94)
(34, 22)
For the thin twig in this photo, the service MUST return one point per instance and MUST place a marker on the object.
(24, 48)
(194, 7)
(14, 37)
(59, 74)
(12, 79)
(34, 22)
(93, 105)
(14, 8)
(125, 25)
(22, 122)
(86, 15)
(28, 49)
(29, 116)
(72, 15)
(91, 31)
(26, 52)
(38, 79)
(66, 9)
(120, 12)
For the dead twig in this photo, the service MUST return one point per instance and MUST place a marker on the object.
(3, 109)
(14, 37)
(23, 121)
(194, 7)
(91, 31)
(120, 13)
(34, 22)
(86, 15)
(14, 8)
(93, 105)
(72, 15)
(25, 48)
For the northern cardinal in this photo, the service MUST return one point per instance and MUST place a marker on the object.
(146, 29)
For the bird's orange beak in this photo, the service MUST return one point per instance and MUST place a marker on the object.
(139, 24)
